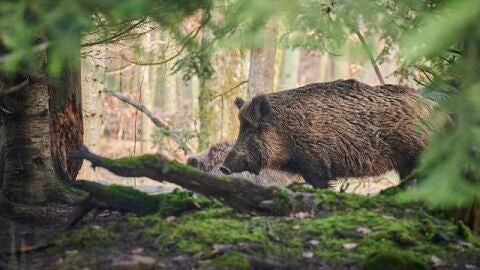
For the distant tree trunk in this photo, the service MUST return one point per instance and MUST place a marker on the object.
(330, 69)
(148, 97)
(205, 109)
(309, 67)
(289, 69)
(93, 82)
(205, 113)
(45, 123)
(262, 66)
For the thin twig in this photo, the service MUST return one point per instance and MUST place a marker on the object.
(15, 88)
(115, 36)
(229, 90)
(156, 120)
(184, 46)
(369, 53)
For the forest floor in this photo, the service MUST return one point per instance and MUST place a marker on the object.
(348, 232)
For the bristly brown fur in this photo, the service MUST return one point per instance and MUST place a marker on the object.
(322, 131)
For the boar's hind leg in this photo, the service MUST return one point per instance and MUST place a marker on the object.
(316, 180)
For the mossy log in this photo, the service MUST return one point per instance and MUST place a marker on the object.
(238, 193)
(127, 199)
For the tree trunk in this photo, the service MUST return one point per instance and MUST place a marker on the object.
(93, 81)
(289, 69)
(66, 117)
(148, 96)
(45, 123)
(205, 108)
(29, 175)
(262, 65)
(205, 114)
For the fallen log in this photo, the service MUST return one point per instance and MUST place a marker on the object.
(238, 193)
(127, 199)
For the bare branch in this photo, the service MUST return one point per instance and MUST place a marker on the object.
(184, 46)
(15, 88)
(156, 120)
(369, 53)
(114, 36)
(229, 90)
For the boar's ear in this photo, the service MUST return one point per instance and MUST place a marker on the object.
(262, 109)
(239, 102)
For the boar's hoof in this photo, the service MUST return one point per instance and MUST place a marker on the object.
(225, 170)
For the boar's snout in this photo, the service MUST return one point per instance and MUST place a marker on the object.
(193, 161)
(236, 163)
(196, 162)
(225, 170)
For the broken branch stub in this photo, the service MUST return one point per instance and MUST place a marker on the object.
(238, 193)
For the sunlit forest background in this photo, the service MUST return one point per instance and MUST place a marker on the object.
(144, 66)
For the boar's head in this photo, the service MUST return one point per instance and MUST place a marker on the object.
(211, 158)
(258, 144)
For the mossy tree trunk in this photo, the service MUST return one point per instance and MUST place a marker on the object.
(44, 122)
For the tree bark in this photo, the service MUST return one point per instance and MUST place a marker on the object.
(29, 173)
(44, 122)
(93, 75)
(66, 117)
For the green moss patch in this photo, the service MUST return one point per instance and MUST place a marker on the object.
(229, 261)
(93, 237)
(393, 260)
(131, 162)
(348, 228)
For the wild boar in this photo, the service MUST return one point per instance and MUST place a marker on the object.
(331, 130)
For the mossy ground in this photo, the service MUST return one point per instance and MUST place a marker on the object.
(348, 229)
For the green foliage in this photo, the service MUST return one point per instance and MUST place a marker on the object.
(31, 27)
(450, 166)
